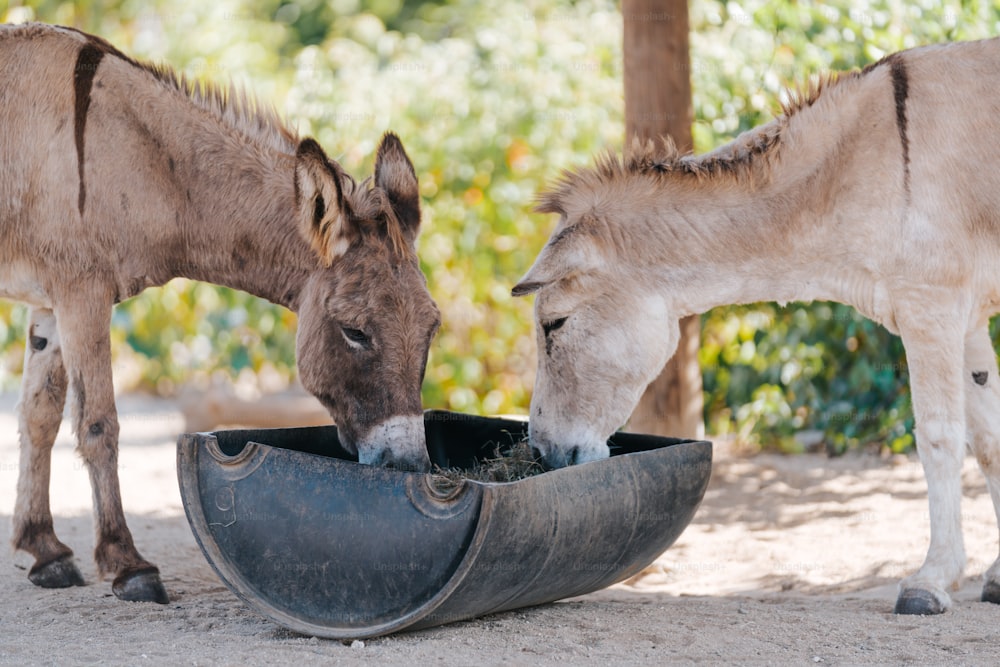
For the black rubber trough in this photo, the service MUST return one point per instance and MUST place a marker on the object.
(331, 548)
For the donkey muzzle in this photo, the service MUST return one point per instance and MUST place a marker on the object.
(578, 447)
(398, 442)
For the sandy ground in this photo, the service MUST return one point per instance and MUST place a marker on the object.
(788, 561)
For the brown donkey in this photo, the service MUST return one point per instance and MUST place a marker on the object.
(117, 176)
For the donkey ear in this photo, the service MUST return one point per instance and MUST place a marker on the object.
(323, 215)
(394, 173)
(575, 249)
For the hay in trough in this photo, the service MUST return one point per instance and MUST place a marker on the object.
(508, 464)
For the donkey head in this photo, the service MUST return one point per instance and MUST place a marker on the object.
(366, 319)
(602, 338)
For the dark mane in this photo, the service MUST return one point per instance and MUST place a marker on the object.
(747, 158)
(233, 105)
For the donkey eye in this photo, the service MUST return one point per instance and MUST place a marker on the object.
(356, 337)
(553, 325)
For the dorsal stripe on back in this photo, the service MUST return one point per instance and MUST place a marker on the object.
(87, 61)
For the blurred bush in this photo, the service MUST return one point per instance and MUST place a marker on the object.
(491, 101)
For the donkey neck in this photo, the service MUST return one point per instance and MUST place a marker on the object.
(800, 225)
(241, 232)
(799, 236)
(232, 201)
(731, 248)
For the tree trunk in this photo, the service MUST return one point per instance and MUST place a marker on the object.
(658, 103)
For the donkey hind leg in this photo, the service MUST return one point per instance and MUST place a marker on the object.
(982, 406)
(934, 343)
(83, 328)
(40, 408)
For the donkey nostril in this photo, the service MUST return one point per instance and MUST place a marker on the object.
(388, 460)
(391, 461)
(574, 454)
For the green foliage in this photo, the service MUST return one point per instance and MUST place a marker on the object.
(222, 327)
(492, 100)
(746, 55)
(771, 372)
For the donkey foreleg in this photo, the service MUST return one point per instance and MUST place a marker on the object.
(83, 327)
(982, 406)
(43, 394)
(934, 343)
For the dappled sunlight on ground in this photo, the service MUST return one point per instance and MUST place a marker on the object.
(782, 524)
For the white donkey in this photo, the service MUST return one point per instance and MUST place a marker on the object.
(879, 189)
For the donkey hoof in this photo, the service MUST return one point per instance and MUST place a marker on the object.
(140, 586)
(918, 602)
(59, 573)
(991, 592)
